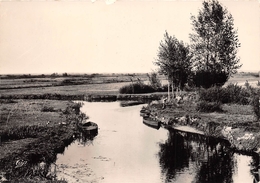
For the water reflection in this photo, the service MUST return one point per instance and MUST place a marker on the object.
(126, 150)
(187, 157)
(86, 139)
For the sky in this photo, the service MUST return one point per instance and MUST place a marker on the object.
(77, 36)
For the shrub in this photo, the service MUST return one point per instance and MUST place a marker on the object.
(48, 109)
(66, 82)
(136, 88)
(204, 106)
(230, 94)
(65, 74)
(76, 107)
(210, 95)
(236, 94)
(255, 102)
(256, 106)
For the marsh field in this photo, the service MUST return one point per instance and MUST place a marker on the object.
(68, 84)
(34, 130)
(77, 84)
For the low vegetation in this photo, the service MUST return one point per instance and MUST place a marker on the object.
(232, 93)
(42, 128)
(154, 85)
(204, 106)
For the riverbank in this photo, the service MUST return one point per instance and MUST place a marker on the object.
(37, 122)
(235, 123)
(87, 97)
(32, 133)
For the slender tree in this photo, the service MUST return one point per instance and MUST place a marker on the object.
(154, 80)
(174, 61)
(214, 40)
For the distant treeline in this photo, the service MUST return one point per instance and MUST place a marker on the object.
(56, 75)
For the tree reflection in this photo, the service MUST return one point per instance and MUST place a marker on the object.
(209, 158)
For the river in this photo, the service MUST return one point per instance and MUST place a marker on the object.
(126, 150)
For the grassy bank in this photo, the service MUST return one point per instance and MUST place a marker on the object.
(34, 111)
(235, 123)
(32, 133)
(88, 97)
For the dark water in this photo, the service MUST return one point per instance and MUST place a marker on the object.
(126, 150)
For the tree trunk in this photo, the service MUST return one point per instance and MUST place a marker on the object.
(172, 90)
(169, 97)
(179, 89)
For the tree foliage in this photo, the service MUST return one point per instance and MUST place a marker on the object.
(206, 79)
(174, 60)
(154, 80)
(214, 41)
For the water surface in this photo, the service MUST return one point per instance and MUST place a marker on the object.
(126, 150)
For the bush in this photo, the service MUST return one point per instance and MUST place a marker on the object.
(255, 102)
(236, 94)
(210, 95)
(230, 94)
(48, 109)
(136, 88)
(204, 106)
(66, 82)
(256, 106)
(65, 74)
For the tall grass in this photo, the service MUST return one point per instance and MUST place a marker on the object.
(21, 132)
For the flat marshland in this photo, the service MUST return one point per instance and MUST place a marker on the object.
(75, 84)
(31, 130)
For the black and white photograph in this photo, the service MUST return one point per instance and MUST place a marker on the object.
(129, 91)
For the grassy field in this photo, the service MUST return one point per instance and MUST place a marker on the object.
(31, 112)
(34, 81)
(31, 125)
(107, 88)
(99, 85)
(33, 131)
